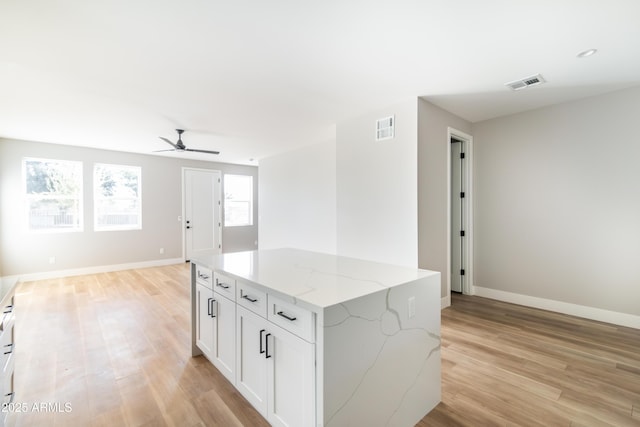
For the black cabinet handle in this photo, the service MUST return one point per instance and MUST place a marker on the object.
(203, 276)
(266, 344)
(247, 297)
(281, 313)
(222, 285)
(209, 308)
(262, 331)
(212, 301)
(11, 349)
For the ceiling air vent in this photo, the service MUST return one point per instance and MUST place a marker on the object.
(526, 82)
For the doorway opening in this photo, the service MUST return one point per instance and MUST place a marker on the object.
(460, 213)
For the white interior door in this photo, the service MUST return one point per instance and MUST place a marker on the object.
(202, 212)
(458, 202)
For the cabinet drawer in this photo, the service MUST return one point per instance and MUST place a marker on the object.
(294, 319)
(204, 276)
(224, 285)
(252, 298)
(6, 342)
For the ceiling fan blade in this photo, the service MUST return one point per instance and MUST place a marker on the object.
(168, 142)
(201, 151)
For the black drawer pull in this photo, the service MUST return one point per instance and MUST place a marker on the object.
(266, 344)
(281, 313)
(203, 276)
(209, 308)
(248, 298)
(262, 331)
(222, 285)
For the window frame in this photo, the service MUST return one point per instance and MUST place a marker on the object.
(98, 197)
(30, 198)
(250, 202)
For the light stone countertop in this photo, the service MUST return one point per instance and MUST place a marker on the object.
(315, 279)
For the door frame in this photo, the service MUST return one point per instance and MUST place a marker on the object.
(467, 288)
(184, 202)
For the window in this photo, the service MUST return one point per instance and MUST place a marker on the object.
(238, 200)
(117, 201)
(53, 191)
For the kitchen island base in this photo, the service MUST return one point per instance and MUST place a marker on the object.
(362, 339)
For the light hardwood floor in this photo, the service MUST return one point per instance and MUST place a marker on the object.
(116, 347)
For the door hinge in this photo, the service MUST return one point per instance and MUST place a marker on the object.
(462, 155)
(461, 233)
(462, 272)
(462, 194)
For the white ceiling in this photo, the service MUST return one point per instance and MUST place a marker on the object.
(252, 78)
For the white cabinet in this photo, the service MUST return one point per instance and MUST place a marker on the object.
(215, 320)
(268, 354)
(251, 375)
(7, 355)
(204, 320)
(275, 371)
(224, 336)
(290, 379)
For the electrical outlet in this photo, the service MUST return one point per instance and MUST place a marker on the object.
(161, 251)
(411, 307)
(52, 260)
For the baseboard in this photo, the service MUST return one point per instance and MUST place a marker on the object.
(91, 270)
(614, 317)
(445, 302)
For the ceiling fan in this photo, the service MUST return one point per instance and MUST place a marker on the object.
(179, 145)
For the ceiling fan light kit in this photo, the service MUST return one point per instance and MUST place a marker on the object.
(179, 145)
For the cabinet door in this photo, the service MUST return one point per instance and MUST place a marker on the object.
(204, 320)
(251, 364)
(291, 380)
(224, 336)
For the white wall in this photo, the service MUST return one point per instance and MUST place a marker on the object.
(557, 203)
(25, 252)
(377, 187)
(433, 194)
(298, 199)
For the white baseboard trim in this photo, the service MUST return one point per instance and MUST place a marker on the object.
(614, 317)
(92, 270)
(445, 302)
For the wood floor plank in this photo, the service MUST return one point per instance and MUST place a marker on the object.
(116, 346)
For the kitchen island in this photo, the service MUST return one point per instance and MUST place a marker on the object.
(313, 339)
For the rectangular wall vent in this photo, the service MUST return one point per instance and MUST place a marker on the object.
(526, 82)
(385, 128)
